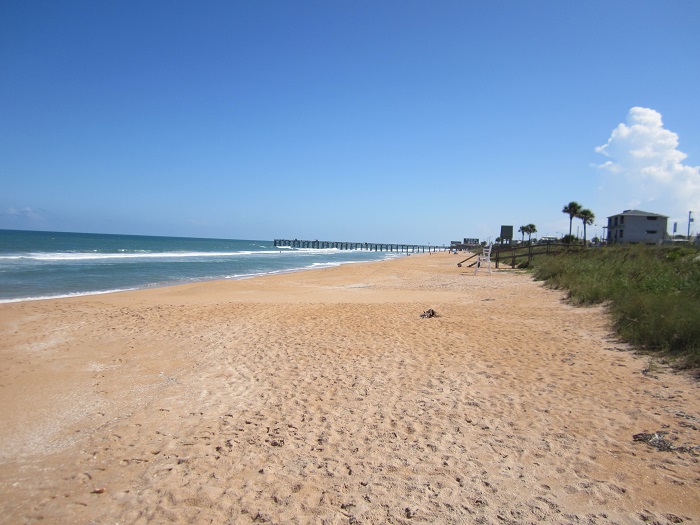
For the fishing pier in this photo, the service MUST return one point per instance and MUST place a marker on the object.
(368, 246)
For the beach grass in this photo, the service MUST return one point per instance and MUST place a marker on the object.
(653, 293)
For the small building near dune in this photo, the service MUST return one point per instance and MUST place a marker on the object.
(636, 226)
(468, 244)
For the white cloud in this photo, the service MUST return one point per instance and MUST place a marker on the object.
(645, 167)
(20, 214)
(14, 212)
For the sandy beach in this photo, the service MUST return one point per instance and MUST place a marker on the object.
(324, 397)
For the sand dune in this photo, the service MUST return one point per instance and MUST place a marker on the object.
(323, 397)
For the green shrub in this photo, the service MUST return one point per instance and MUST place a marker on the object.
(653, 292)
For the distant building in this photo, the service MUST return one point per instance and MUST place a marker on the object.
(637, 226)
(468, 244)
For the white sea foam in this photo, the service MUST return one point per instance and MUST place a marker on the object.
(64, 296)
(93, 256)
(313, 266)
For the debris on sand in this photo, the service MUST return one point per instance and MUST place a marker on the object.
(658, 441)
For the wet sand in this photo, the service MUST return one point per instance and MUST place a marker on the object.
(324, 397)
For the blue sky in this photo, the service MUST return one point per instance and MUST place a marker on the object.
(383, 121)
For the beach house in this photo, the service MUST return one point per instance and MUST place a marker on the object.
(637, 226)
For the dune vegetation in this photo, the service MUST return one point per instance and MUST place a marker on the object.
(652, 293)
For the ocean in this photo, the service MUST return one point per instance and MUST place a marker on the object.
(43, 265)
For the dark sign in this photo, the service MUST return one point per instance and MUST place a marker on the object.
(507, 233)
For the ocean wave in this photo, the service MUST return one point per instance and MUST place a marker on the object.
(64, 296)
(93, 256)
(313, 266)
(181, 280)
(271, 272)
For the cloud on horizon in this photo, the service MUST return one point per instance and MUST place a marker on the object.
(645, 167)
(14, 216)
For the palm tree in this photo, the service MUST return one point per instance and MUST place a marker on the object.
(523, 230)
(587, 216)
(530, 229)
(572, 209)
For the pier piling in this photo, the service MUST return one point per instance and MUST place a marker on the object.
(368, 246)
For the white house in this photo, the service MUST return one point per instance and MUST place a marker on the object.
(637, 226)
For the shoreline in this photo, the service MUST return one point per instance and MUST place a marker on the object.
(156, 286)
(322, 395)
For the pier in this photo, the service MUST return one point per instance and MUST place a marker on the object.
(367, 246)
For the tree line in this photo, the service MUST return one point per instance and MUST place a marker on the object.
(575, 211)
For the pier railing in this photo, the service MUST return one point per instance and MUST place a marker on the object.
(367, 246)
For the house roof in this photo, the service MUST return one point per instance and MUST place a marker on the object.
(638, 213)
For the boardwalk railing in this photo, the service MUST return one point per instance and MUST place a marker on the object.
(510, 254)
(368, 246)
